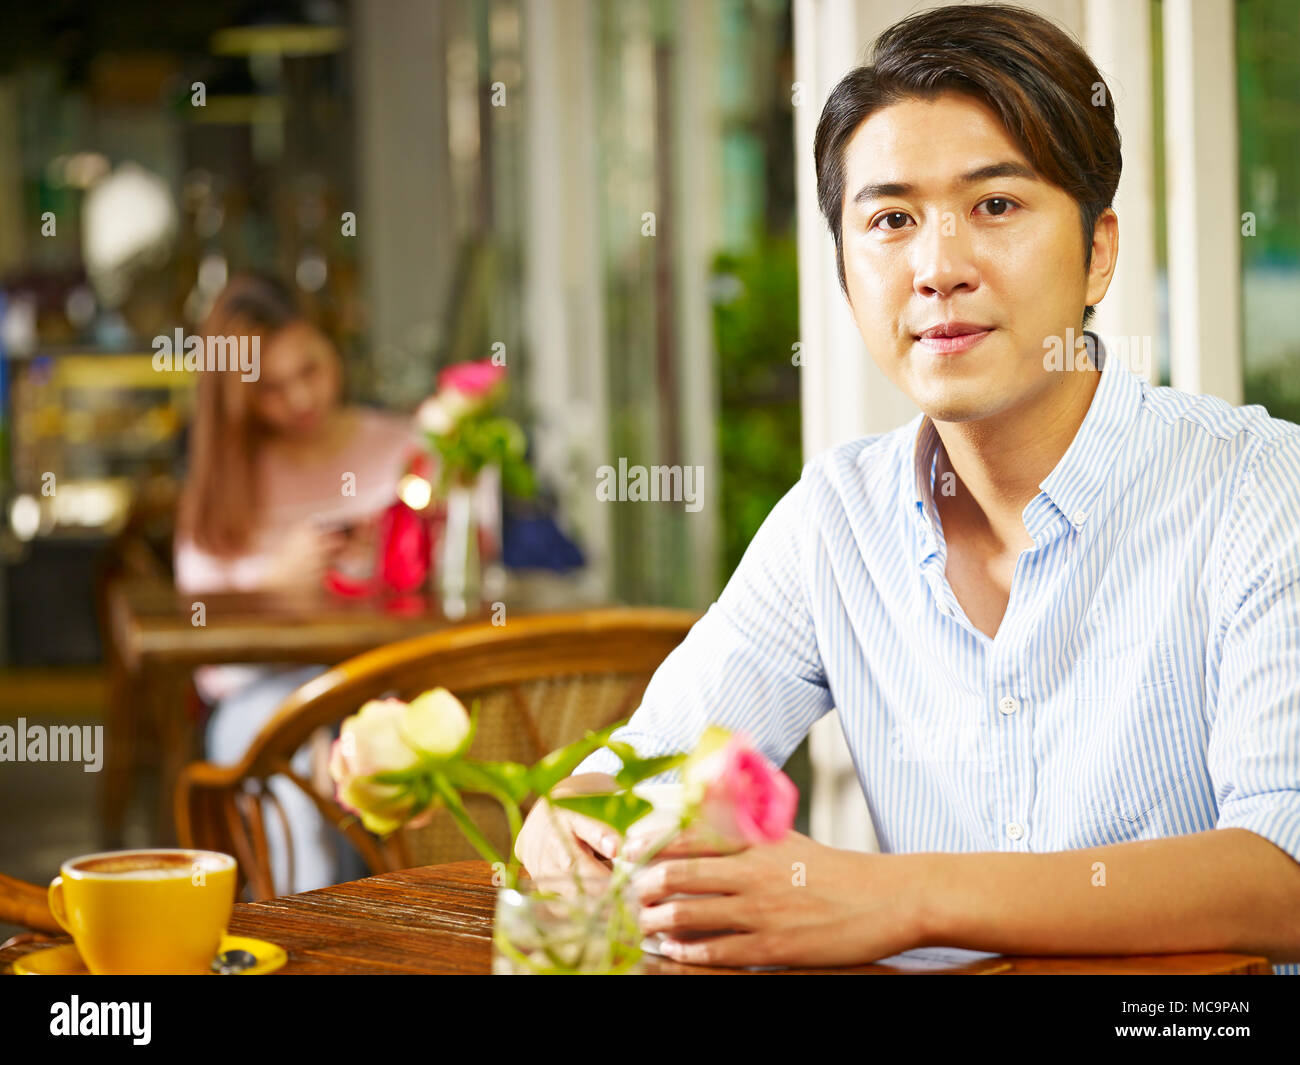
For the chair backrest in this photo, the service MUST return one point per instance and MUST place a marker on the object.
(542, 681)
(26, 905)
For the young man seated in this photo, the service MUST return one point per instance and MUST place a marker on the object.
(1058, 613)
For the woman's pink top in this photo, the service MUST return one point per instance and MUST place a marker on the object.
(319, 492)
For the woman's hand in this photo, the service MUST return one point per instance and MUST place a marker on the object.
(302, 558)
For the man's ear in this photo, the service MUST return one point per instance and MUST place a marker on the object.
(1105, 253)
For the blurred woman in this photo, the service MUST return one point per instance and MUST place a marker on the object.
(280, 470)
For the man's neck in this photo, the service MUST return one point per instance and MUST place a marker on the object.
(999, 463)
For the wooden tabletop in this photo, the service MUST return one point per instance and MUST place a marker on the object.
(154, 624)
(438, 919)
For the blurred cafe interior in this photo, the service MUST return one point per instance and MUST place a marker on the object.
(604, 207)
(597, 197)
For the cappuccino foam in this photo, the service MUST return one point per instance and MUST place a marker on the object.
(147, 865)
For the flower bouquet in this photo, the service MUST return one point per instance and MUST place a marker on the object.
(466, 429)
(396, 763)
(477, 447)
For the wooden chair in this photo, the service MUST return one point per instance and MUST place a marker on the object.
(26, 905)
(542, 681)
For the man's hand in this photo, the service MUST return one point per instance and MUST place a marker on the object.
(556, 843)
(795, 902)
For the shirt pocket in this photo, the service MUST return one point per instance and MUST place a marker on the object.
(1137, 742)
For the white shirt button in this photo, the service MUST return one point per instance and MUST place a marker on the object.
(1008, 704)
(1080, 516)
(1015, 830)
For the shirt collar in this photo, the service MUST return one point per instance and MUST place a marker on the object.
(1074, 484)
(925, 450)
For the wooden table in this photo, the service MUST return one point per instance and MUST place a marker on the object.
(155, 640)
(438, 919)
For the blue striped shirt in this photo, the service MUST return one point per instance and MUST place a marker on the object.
(1144, 682)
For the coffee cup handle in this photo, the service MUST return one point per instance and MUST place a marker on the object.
(56, 903)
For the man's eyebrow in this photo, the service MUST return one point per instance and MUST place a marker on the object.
(984, 173)
(997, 170)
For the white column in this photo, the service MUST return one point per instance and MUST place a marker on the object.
(1204, 224)
(1118, 37)
(563, 281)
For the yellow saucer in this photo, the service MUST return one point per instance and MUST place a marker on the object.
(65, 961)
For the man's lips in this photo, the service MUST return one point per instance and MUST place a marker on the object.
(951, 337)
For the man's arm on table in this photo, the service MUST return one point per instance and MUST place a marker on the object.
(1227, 889)
(1233, 888)
(800, 903)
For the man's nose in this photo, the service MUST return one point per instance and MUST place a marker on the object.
(943, 258)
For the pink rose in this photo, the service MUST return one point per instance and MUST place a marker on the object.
(474, 379)
(738, 792)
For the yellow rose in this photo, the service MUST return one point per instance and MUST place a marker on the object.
(389, 735)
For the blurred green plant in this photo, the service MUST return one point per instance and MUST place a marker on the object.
(756, 325)
(1276, 387)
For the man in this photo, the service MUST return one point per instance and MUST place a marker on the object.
(1058, 614)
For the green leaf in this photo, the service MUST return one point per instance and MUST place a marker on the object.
(625, 751)
(561, 763)
(636, 770)
(507, 778)
(618, 809)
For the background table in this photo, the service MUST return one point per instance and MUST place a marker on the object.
(154, 642)
(438, 919)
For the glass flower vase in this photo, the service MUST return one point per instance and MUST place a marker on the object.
(551, 929)
(459, 569)
(468, 568)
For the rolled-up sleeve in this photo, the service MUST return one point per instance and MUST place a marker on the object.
(1254, 748)
(750, 664)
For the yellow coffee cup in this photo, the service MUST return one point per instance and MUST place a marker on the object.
(153, 910)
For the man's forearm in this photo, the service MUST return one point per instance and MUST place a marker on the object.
(1221, 890)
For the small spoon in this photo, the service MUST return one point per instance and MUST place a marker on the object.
(232, 962)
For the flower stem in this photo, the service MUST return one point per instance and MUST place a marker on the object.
(463, 820)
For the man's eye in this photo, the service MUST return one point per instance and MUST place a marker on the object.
(891, 217)
(998, 205)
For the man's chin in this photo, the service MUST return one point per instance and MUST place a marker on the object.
(948, 404)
